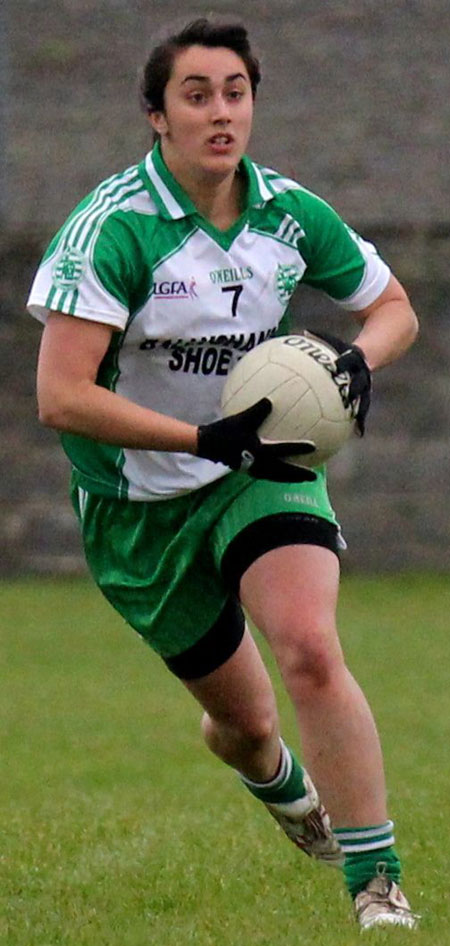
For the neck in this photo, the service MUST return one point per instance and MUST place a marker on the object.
(217, 197)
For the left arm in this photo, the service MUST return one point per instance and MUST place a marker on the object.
(389, 326)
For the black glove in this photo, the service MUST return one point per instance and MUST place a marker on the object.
(234, 441)
(351, 359)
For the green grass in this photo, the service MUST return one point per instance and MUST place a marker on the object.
(119, 829)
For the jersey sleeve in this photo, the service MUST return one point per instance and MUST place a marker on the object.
(85, 272)
(339, 261)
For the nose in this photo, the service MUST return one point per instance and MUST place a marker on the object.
(220, 113)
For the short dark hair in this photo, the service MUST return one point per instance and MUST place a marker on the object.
(201, 32)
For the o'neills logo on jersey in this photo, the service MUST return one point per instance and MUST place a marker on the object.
(221, 277)
(175, 289)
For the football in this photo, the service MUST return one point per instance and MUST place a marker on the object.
(309, 399)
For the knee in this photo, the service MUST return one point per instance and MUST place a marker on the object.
(259, 730)
(310, 658)
(251, 731)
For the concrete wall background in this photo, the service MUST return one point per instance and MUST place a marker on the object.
(355, 104)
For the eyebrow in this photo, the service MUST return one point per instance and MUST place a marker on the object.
(236, 75)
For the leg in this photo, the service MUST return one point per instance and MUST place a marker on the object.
(240, 723)
(290, 593)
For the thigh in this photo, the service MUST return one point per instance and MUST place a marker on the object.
(268, 515)
(290, 593)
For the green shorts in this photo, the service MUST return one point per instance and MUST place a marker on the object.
(169, 567)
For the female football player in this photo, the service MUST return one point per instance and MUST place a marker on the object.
(158, 282)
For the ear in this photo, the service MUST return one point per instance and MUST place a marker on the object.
(158, 122)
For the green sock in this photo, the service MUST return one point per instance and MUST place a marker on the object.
(368, 851)
(287, 785)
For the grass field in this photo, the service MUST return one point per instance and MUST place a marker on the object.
(119, 829)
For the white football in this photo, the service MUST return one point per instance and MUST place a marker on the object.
(297, 373)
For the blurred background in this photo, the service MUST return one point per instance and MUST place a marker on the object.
(355, 104)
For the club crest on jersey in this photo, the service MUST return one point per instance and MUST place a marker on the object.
(286, 279)
(68, 269)
(175, 289)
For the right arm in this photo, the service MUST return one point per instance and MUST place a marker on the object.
(71, 401)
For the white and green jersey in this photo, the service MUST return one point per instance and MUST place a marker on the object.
(188, 300)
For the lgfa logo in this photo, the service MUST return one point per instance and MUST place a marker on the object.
(175, 289)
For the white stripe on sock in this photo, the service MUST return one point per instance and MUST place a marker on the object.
(359, 848)
(361, 834)
(282, 775)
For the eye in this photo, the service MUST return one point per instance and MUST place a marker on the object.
(197, 97)
(235, 94)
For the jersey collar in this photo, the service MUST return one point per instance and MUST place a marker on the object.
(172, 201)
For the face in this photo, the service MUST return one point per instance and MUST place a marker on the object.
(208, 112)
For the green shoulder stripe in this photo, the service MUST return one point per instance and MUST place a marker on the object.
(334, 261)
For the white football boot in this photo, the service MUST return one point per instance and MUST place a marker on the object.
(382, 903)
(306, 823)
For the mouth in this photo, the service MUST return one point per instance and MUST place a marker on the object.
(221, 142)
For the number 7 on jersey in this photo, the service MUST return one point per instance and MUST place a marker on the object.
(236, 290)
